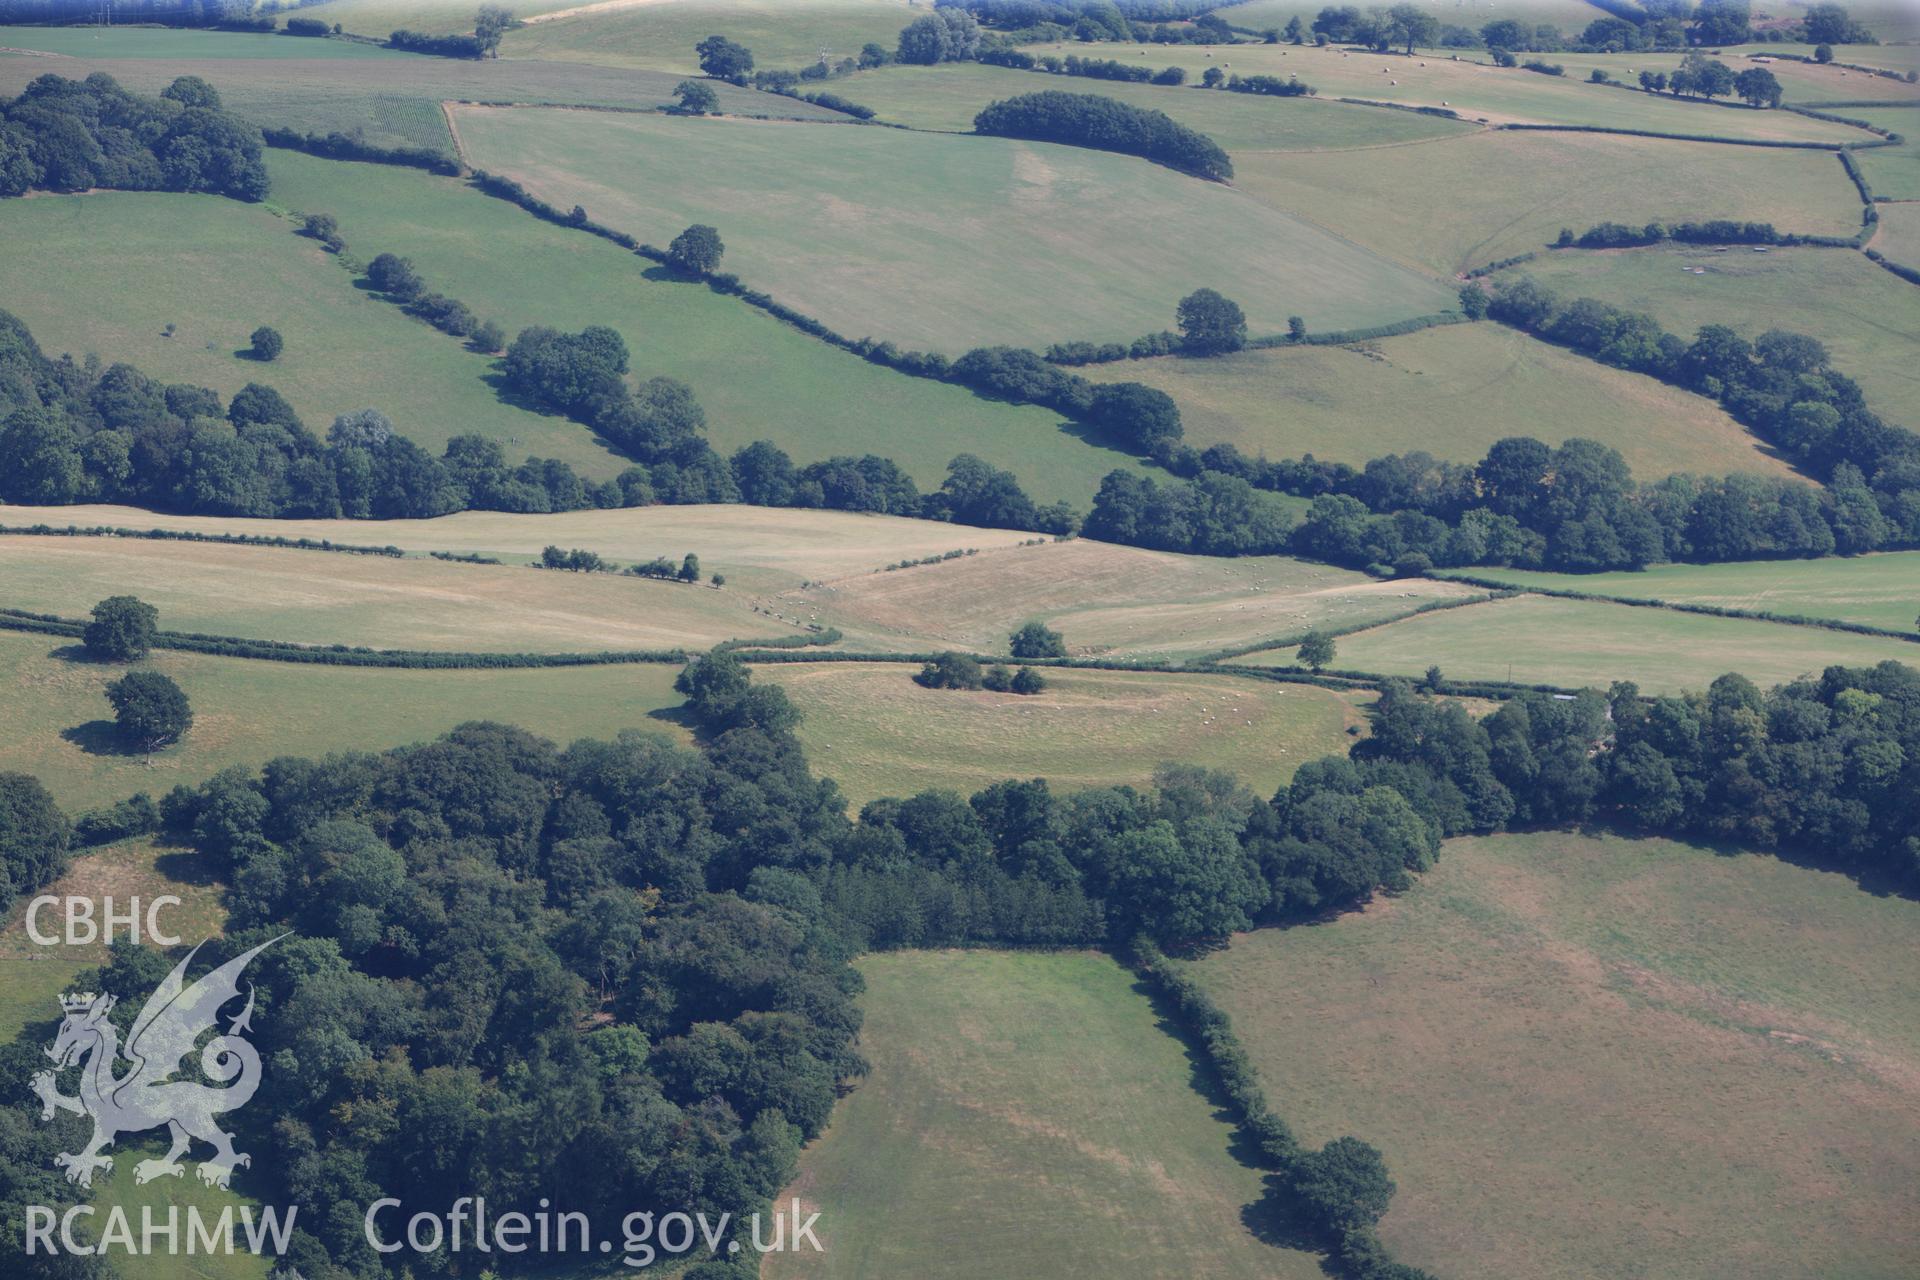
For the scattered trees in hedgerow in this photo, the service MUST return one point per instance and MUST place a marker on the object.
(149, 710)
(1105, 124)
(1037, 640)
(1211, 323)
(122, 629)
(951, 670)
(697, 250)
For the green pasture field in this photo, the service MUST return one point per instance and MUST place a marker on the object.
(1478, 90)
(946, 242)
(1450, 391)
(1026, 1115)
(1865, 316)
(1456, 203)
(247, 711)
(948, 97)
(761, 547)
(1892, 172)
(1899, 235)
(381, 17)
(1802, 83)
(215, 269)
(313, 598)
(388, 99)
(161, 44)
(1579, 643)
(1879, 590)
(1106, 600)
(757, 378)
(876, 732)
(1571, 16)
(661, 34)
(1592, 1056)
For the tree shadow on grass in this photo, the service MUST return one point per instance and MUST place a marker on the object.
(99, 738)
(187, 865)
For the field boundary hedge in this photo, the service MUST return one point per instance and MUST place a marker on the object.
(341, 655)
(1358, 1252)
(1692, 137)
(339, 146)
(1291, 639)
(191, 535)
(1681, 606)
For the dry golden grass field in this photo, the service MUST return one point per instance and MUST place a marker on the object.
(1608, 1057)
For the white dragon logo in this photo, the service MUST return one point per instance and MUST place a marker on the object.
(146, 1097)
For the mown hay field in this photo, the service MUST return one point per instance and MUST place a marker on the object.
(772, 545)
(942, 242)
(1579, 1051)
(1863, 314)
(1026, 1114)
(1451, 391)
(876, 732)
(1106, 600)
(1478, 90)
(1580, 644)
(314, 598)
(1878, 590)
(757, 378)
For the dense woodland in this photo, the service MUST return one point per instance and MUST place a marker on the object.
(533, 966)
(76, 135)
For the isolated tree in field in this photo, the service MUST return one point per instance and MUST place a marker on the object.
(489, 25)
(697, 98)
(1211, 322)
(697, 250)
(723, 59)
(149, 710)
(122, 629)
(1757, 87)
(267, 343)
(1317, 649)
(1037, 640)
(1344, 1184)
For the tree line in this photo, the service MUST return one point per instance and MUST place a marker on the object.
(78, 135)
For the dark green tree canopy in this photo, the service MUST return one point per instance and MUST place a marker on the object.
(1211, 323)
(150, 711)
(122, 629)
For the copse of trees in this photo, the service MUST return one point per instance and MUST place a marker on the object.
(1104, 124)
(945, 35)
(76, 135)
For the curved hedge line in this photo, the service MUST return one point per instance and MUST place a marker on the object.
(338, 146)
